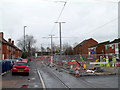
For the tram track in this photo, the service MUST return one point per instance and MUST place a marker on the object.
(85, 83)
(80, 82)
(44, 86)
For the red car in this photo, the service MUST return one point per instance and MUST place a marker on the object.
(20, 67)
(25, 60)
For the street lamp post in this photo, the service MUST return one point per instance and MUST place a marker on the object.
(24, 39)
(60, 39)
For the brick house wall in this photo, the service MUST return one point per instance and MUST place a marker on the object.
(108, 49)
(82, 48)
(9, 49)
(98, 48)
(101, 48)
(4, 51)
(17, 53)
(113, 48)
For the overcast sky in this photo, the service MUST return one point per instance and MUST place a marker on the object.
(84, 19)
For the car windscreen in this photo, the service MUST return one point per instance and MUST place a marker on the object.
(20, 64)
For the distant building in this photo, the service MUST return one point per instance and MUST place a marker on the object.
(8, 49)
(82, 48)
(39, 54)
(98, 48)
(113, 48)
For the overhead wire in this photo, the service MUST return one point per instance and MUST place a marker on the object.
(94, 30)
(91, 31)
(65, 2)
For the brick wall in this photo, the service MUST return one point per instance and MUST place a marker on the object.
(9, 50)
(83, 49)
(109, 49)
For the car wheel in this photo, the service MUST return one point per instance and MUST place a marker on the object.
(13, 73)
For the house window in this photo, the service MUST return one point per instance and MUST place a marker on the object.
(111, 54)
(112, 46)
(7, 47)
(89, 49)
(106, 47)
(116, 46)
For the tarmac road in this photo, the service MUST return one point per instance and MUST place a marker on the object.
(17, 81)
(51, 81)
(87, 81)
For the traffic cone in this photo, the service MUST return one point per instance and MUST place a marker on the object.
(77, 72)
(50, 65)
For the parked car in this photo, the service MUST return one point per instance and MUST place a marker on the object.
(25, 60)
(20, 67)
(18, 59)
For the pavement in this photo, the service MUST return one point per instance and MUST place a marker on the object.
(56, 79)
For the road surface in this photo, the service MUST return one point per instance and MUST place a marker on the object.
(43, 76)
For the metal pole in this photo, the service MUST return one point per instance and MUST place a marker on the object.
(51, 36)
(60, 40)
(118, 19)
(51, 46)
(41, 50)
(67, 48)
(51, 52)
(24, 38)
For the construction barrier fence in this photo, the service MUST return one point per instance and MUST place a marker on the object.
(84, 62)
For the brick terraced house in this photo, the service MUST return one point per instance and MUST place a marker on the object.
(113, 48)
(98, 48)
(82, 48)
(8, 49)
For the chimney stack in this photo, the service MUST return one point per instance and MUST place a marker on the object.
(2, 34)
(9, 40)
(13, 42)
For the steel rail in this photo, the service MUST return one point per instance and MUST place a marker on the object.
(50, 72)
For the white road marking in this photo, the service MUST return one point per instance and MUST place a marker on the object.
(43, 84)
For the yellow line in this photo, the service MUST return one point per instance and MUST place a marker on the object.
(4, 73)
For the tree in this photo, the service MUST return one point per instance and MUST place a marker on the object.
(48, 49)
(29, 42)
(69, 50)
(43, 49)
(55, 49)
